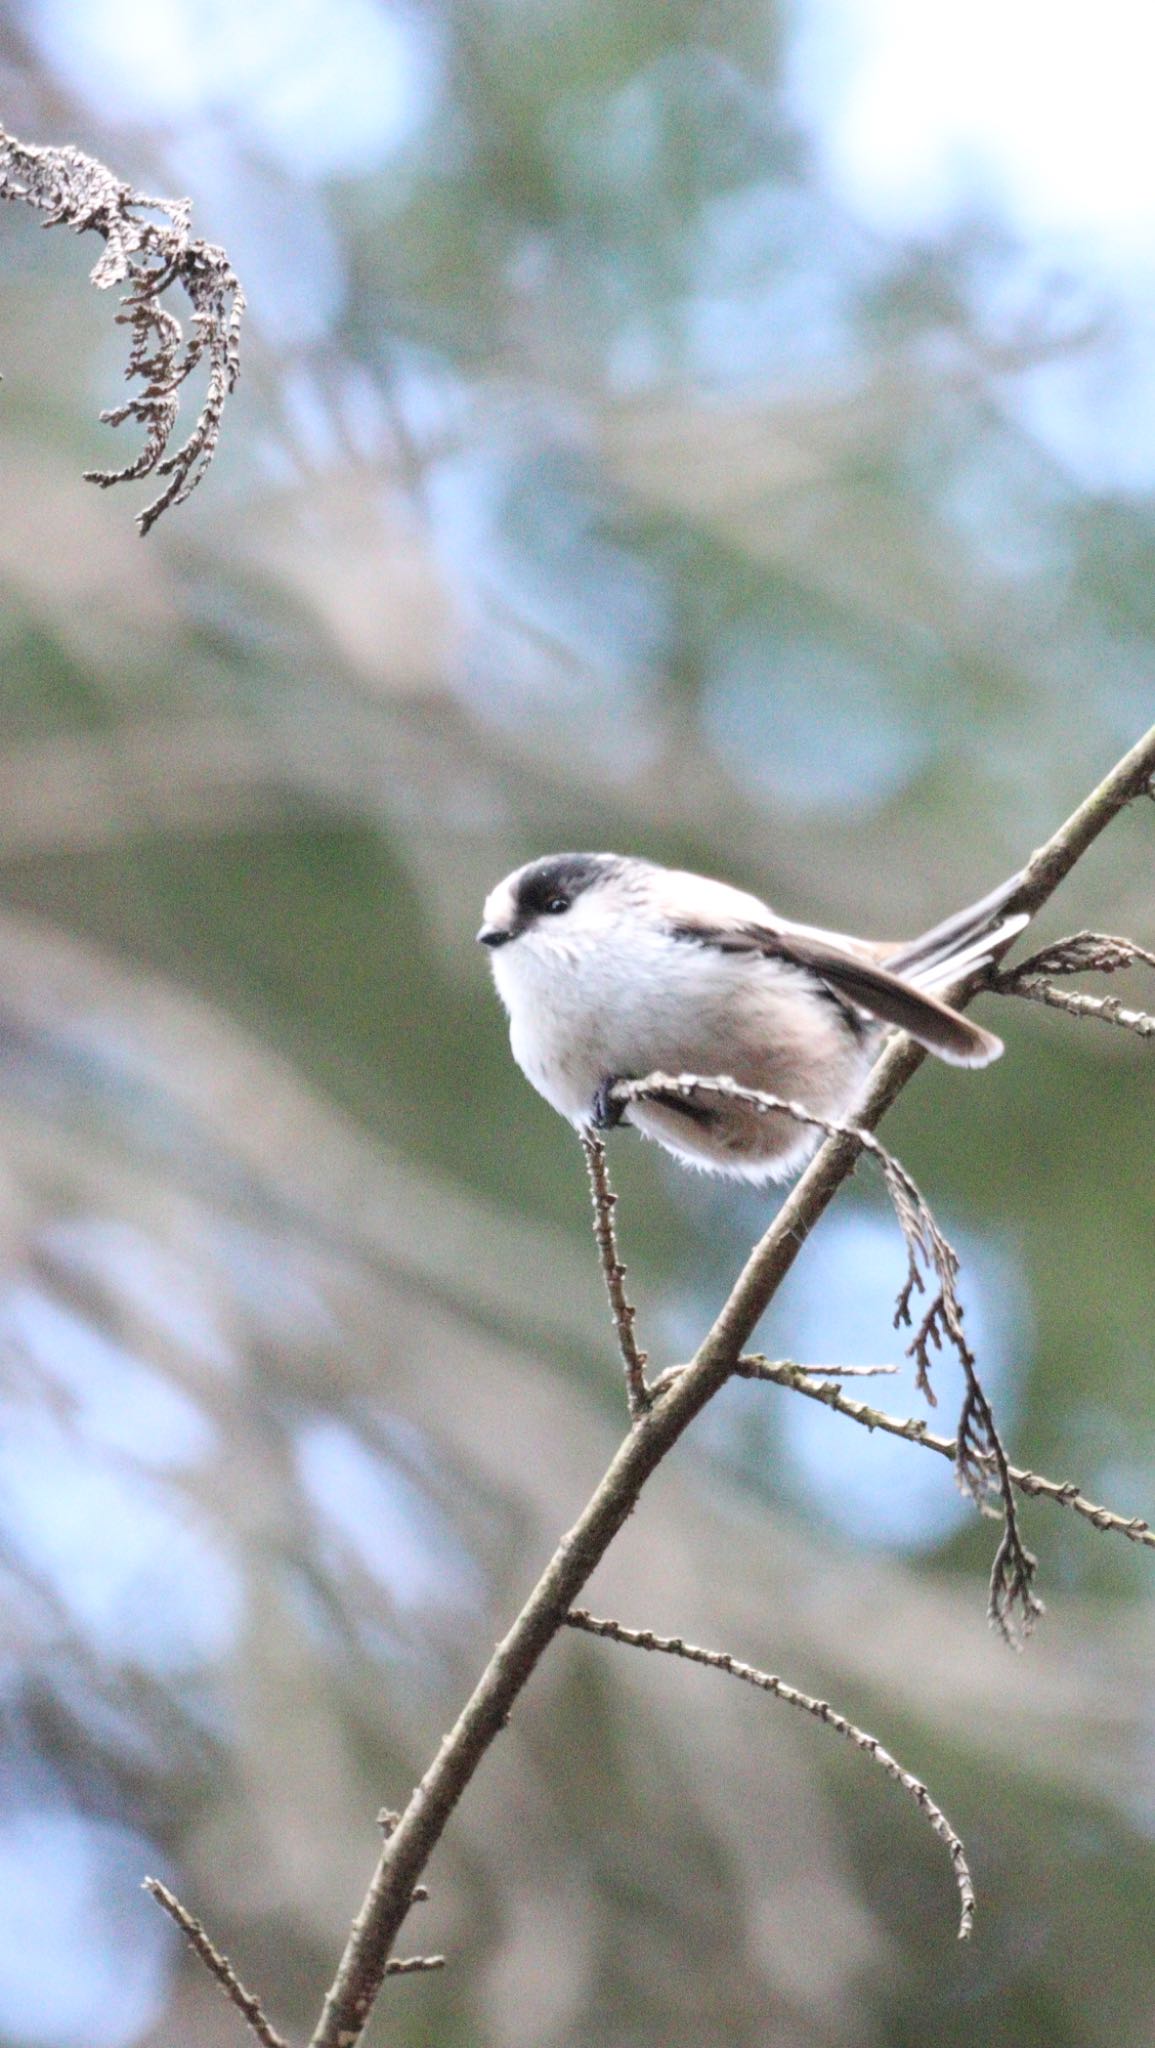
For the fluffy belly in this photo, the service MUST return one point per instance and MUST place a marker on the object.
(735, 1139)
(763, 1029)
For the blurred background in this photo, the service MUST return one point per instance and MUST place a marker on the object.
(720, 431)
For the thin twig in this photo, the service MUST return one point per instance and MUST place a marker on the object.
(720, 1660)
(410, 1966)
(403, 1858)
(148, 256)
(216, 1964)
(751, 1366)
(925, 1244)
(1078, 1004)
(981, 1461)
(1082, 953)
(851, 1372)
(913, 1430)
(614, 1274)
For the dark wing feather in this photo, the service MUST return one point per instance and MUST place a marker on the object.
(869, 986)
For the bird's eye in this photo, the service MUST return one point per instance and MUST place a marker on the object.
(556, 905)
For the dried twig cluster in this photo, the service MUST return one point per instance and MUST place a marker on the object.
(980, 1459)
(148, 249)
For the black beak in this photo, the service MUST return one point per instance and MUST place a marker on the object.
(493, 935)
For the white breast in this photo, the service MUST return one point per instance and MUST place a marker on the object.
(631, 1002)
(578, 1009)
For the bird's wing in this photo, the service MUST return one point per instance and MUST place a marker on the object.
(855, 977)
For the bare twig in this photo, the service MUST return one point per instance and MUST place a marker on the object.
(981, 1461)
(1082, 953)
(217, 1965)
(750, 1368)
(913, 1430)
(847, 1372)
(614, 1274)
(720, 1660)
(1078, 1004)
(404, 1856)
(638, 1394)
(148, 256)
(412, 1966)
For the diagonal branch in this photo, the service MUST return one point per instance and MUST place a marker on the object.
(404, 1856)
(147, 255)
(720, 1660)
(639, 1394)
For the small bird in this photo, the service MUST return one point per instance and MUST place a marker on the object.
(612, 968)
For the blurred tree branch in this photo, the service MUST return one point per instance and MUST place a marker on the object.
(148, 256)
(653, 1433)
(217, 1965)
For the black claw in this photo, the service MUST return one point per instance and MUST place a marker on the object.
(606, 1112)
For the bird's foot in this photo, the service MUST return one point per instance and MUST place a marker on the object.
(606, 1112)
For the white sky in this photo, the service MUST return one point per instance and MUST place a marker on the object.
(1041, 107)
(1033, 113)
(327, 86)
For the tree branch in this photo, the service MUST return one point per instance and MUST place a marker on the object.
(216, 1964)
(614, 1274)
(1077, 1004)
(766, 1681)
(913, 1430)
(403, 1858)
(1082, 953)
(981, 1462)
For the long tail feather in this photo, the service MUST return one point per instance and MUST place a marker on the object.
(955, 938)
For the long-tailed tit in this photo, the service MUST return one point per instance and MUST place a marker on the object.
(612, 968)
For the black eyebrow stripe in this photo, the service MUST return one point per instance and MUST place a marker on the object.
(559, 874)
